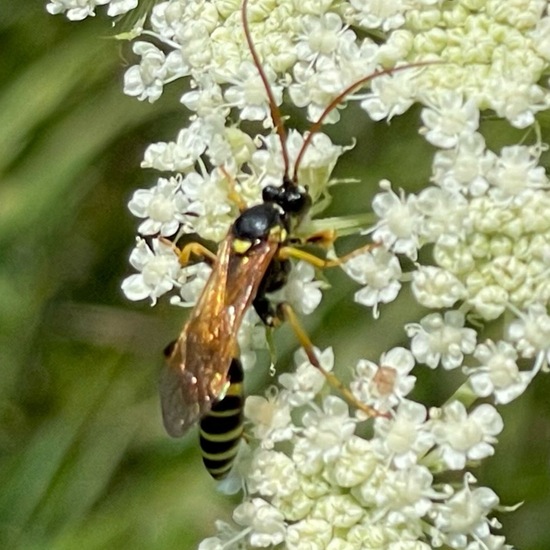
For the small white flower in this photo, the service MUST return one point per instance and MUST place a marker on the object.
(206, 99)
(180, 155)
(371, 534)
(390, 95)
(373, 14)
(448, 118)
(120, 7)
(251, 338)
(490, 542)
(531, 334)
(76, 10)
(299, 504)
(462, 437)
(267, 161)
(406, 437)
(164, 207)
(407, 494)
(316, 85)
(309, 533)
(399, 221)
(323, 436)
(445, 217)
(514, 170)
(464, 514)
(191, 280)
(227, 536)
(159, 269)
(271, 418)
(518, 102)
(209, 205)
(464, 168)
(272, 474)
(318, 161)
(383, 386)
(341, 511)
(498, 374)
(167, 19)
(397, 500)
(301, 386)
(266, 523)
(302, 291)
(146, 80)
(355, 464)
(489, 301)
(437, 339)
(379, 270)
(436, 288)
(248, 93)
(321, 36)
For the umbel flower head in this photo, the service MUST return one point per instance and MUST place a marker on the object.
(472, 244)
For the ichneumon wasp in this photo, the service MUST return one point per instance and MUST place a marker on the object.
(202, 368)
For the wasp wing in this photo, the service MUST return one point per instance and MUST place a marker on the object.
(196, 367)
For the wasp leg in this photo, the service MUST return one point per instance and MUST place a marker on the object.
(194, 248)
(324, 238)
(233, 194)
(267, 311)
(288, 314)
(274, 279)
(287, 252)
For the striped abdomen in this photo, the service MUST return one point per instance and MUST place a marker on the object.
(222, 428)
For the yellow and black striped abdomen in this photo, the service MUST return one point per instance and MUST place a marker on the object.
(222, 428)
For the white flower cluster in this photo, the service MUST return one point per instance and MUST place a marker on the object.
(485, 55)
(485, 219)
(473, 243)
(312, 482)
(76, 10)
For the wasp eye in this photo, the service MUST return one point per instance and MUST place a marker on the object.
(295, 201)
(272, 193)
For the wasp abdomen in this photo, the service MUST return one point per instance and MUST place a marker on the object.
(222, 428)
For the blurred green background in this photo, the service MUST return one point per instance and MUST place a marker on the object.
(84, 461)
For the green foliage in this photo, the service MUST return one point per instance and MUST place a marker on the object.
(84, 462)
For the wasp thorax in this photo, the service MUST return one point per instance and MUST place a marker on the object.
(256, 222)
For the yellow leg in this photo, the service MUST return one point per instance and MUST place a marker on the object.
(332, 379)
(194, 248)
(233, 194)
(287, 252)
(324, 238)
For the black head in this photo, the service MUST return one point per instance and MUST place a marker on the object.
(293, 199)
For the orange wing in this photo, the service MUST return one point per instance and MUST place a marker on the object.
(196, 366)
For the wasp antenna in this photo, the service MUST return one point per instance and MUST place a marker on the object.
(316, 126)
(275, 113)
